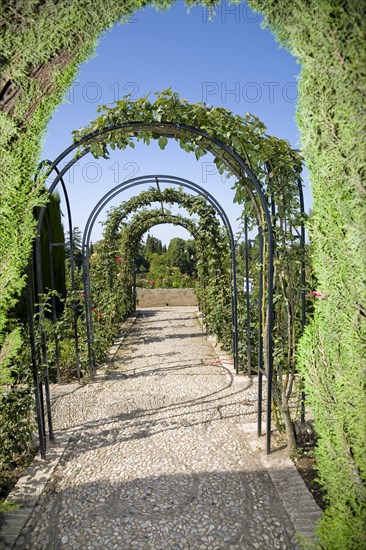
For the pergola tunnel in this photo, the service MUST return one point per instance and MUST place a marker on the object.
(269, 307)
(300, 303)
(168, 196)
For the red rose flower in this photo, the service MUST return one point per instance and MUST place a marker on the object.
(100, 315)
(118, 259)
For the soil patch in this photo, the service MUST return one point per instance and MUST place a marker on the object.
(306, 466)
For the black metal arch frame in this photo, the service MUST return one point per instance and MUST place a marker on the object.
(33, 291)
(222, 151)
(146, 180)
(160, 219)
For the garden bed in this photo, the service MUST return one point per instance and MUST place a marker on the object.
(305, 464)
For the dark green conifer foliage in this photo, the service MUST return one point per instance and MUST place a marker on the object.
(53, 218)
(328, 38)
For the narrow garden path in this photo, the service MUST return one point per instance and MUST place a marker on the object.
(158, 458)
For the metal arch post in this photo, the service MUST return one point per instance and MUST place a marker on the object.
(234, 307)
(159, 191)
(163, 128)
(35, 285)
(54, 167)
(39, 291)
(56, 181)
(53, 299)
(249, 352)
(33, 347)
(260, 333)
(72, 270)
(88, 309)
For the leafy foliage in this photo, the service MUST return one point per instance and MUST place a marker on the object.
(213, 286)
(16, 419)
(173, 268)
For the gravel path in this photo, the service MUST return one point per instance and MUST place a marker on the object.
(158, 459)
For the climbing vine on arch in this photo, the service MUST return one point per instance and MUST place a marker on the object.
(213, 284)
(112, 270)
(246, 135)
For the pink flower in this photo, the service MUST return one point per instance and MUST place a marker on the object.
(153, 282)
(100, 315)
(318, 294)
(118, 259)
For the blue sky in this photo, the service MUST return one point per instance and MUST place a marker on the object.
(228, 62)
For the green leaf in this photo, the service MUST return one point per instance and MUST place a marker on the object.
(162, 142)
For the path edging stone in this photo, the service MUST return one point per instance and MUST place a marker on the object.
(28, 490)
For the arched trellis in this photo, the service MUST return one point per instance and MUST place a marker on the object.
(38, 262)
(143, 180)
(146, 220)
(194, 204)
(146, 198)
(34, 305)
(150, 219)
(234, 163)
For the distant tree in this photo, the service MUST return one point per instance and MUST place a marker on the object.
(77, 244)
(181, 254)
(153, 246)
(141, 262)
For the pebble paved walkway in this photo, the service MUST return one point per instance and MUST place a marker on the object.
(158, 459)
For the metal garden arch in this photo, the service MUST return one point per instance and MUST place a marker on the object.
(157, 217)
(219, 149)
(143, 180)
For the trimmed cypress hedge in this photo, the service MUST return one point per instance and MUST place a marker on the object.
(328, 37)
(58, 252)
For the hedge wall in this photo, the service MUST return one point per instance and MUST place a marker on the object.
(43, 44)
(328, 37)
(39, 61)
(58, 252)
